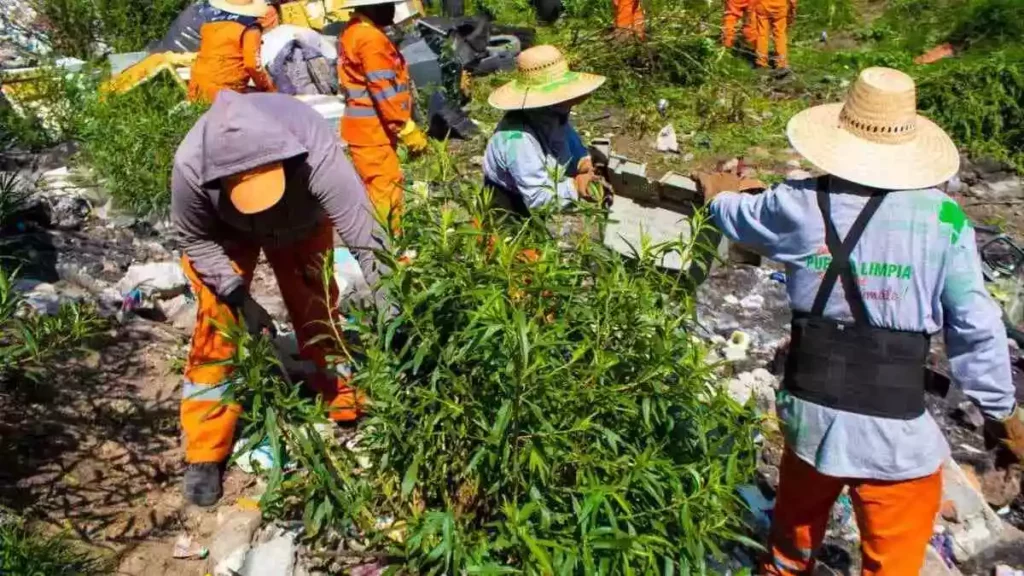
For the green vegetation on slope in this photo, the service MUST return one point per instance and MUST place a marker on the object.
(76, 27)
(25, 552)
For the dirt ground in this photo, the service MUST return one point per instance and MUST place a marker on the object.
(97, 451)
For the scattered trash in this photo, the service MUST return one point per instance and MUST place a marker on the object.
(943, 544)
(760, 507)
(662, 107)
(185, 548)
(1004, 570)
(752, 302)
(824, 36)
(667, 141)
(778, 276)
(940, 52)
(257, 459)
(154, 279)
(736, 347)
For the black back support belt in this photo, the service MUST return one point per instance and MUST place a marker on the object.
(854, 367)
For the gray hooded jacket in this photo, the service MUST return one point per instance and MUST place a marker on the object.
(244, 131)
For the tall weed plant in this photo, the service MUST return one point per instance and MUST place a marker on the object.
(532, 409)
(128, 141)
(78, 27)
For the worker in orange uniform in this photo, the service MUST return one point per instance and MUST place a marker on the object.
(378, 104)
(736, 10)
(262, 173)
(629, 19)
(773, 18)
(229, 49)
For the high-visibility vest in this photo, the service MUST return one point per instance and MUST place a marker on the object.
(375, 80)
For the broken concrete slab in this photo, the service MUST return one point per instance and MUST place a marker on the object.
(275, 557)
(674, 187)
(231, 541)
(979, 527)
(630, 222)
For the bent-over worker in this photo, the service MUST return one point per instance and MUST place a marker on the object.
(229, 49)
(260, 172)
(378, 103)
(535, 156)
(878, 260)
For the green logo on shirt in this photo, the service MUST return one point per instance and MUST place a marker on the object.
(952, 215)
(820, 263)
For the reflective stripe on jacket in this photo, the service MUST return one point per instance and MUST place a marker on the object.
(375, 80)
(229, 56)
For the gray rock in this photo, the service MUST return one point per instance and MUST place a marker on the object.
(231, 542)
(1011, 188)
(273, 558)
(979, 526)
(969, 415)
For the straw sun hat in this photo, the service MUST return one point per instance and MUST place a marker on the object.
(256, 8)
(876, 138)
(543, 79)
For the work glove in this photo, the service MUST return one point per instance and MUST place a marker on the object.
(712, 185)
(413, 138)
(582, 182)
(256, 318)
(585, 165)
(1014, 439)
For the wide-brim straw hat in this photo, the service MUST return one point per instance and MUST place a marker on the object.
(543, 79)
(255, 8)
(876, 138)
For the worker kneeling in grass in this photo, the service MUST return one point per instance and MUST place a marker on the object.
(375, 80)
(535, 156)
(852, 400)
(229, 49)
(261, 172)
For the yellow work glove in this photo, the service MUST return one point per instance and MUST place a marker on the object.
(413, 138)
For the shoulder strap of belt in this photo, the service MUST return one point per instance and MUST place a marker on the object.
(840, 267)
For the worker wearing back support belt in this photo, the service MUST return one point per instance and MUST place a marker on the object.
(378, 103)
(878, 260)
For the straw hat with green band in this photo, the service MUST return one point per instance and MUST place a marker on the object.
(254, 8)
(543, 79)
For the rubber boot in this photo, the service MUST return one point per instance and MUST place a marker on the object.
(203, 483)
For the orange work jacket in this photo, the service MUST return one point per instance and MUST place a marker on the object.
(229, 56)
(375, 81)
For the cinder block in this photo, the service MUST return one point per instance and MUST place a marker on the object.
(635, 183)
(674, 187)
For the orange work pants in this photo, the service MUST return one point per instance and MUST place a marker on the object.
(735, 10)
(772, 19)
(629, 15)
(895, 519)
(209, 425)
(381, 173)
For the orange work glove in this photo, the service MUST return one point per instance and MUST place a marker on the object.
(712, 185)
(585, 165)
(582, 182)
(1015, 433)
(413, 138)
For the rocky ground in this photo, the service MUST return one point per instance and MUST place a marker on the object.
(97, 449)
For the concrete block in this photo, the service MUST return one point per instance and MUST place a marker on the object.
(630, 222)
(674, 187)
(635, 183)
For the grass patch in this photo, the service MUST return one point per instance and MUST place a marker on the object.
(76, 27)
(24, 552)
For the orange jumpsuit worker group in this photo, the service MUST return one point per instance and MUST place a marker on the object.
(629, 18)
(772, 19)
(261, 172)
(736, 10)
(229, 49)
(378, 104)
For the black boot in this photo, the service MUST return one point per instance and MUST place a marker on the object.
(203, 483)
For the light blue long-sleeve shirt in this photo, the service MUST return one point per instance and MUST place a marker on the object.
(517, 161)
(918, 270)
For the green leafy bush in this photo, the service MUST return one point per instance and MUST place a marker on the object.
(532, 409)
(76, 26)
(29, 342)
(24, 551)
(981, 103)
(128, 141)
